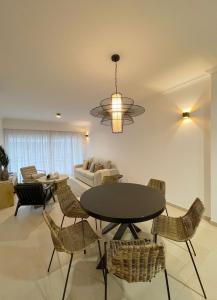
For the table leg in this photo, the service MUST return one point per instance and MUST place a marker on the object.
(120, 232)
(137, 228)
(109, 227)
(133, 231)
(118, 235)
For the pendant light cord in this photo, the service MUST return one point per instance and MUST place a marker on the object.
(116, 80)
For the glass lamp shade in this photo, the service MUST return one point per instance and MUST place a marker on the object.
(117, 120)
(117, 111)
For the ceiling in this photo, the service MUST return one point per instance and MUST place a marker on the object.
(55, 55)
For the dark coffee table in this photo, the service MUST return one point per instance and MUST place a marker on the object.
(123, 204)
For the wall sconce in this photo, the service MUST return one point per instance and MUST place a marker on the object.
(58, 116)
(186, 115)
(86, 134)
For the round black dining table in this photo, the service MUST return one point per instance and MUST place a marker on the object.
(123, 205)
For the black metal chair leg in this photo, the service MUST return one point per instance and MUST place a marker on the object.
(167, 283)
(105, 271)
(198, 276)
(62, 221)
(166, 212)
(155, 238)
(100, 255)
(96, 224)
(83, 235)
(54, 200)
(16, 209)
(67, 277)
(192, 248)
(51, 260)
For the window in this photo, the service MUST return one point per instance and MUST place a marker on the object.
(48, 150)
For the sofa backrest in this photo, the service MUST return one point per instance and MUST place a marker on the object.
(107, 164)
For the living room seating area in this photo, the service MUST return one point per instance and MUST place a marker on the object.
(92, 171)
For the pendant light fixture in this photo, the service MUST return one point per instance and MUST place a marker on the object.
(117, 110)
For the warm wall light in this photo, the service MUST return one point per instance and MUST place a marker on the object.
(186, 115)
(86, 134)
(58, 116)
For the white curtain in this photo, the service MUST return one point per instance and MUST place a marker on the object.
(50, 151)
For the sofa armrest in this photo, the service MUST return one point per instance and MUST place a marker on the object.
(78, 166)
(98, 175)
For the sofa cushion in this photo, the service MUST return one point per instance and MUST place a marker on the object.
(106, 163)
(90, 162)
(92, 167)
(98, 167)
(85, 164)
(85, 176)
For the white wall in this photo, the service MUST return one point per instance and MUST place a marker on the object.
(214, 148)
(40, 125)
(1, 133)
(161, 145)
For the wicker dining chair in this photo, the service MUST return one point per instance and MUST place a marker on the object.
(111, 178)
(134, 261)
(160, 186)
(181, 229)
(106, 180)
(69, 204)
(70, 240)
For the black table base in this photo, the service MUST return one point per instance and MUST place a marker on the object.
(111, 226)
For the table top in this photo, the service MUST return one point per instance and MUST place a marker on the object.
(44, 179)
(123, 202)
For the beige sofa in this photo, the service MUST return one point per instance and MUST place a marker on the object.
(94, 179)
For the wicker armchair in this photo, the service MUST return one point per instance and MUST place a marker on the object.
(69, 204)
(158, 185)
(181, 229)
(134, 261)
(70, 239)
(30, 174)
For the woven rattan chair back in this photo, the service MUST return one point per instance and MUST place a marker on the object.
(26, 173)
(158, 184)
(136, 260)
(67, 200)
(193, 217)
(111, 179)
(55, 232)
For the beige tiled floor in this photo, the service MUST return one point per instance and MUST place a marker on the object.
(25, 249)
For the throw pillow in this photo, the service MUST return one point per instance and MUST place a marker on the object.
(85, 165)
(98, 167)
(92, 167)
(89, 163)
